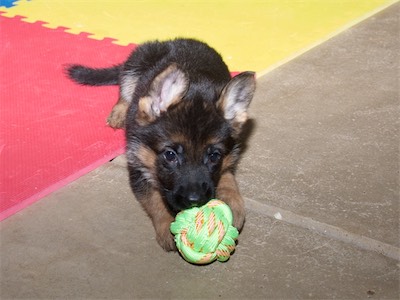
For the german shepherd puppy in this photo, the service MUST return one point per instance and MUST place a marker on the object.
(183, 114)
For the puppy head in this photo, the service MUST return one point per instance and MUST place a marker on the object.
(182, 145)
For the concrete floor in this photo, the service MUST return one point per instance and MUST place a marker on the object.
(322, 150)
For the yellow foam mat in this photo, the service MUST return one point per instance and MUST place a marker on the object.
(250, 35)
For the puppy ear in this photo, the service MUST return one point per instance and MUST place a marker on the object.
(235, 99)
(167, 88)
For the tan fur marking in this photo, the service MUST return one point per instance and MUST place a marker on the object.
(179, 139)
(227, 163)
(228, 192)
(213, 141)
(145, 114)
(116, 119)
(147, 157)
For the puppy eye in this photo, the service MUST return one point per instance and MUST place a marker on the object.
(170, 156)
(214, 157)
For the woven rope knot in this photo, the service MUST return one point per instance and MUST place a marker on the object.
(204, 234)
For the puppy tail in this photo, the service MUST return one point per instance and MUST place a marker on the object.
(90, 76)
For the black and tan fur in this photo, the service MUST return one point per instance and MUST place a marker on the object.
(183, 114)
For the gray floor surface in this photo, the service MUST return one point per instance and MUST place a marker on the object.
(320, 174)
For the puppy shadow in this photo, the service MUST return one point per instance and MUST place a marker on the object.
(247, 131)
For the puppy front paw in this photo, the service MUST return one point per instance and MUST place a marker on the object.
(166, 241)
(239, 217)
(164, 236)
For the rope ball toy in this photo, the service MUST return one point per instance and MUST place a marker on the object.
(205, 234)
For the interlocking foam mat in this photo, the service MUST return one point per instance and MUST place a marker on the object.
(53, 131)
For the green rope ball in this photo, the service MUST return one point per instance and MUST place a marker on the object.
(205, 234)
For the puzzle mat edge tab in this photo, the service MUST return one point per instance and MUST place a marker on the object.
(240, 50)
(7, 3)
(5, 12)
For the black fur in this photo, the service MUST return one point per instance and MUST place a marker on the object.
(88, 76)
(205, 68)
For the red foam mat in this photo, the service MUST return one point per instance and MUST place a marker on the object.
(52, 130)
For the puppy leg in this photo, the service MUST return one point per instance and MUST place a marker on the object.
(116, 119)
(161, 218)
(128, 81)
(228, 191)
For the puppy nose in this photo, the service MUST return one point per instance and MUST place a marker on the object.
(194, 197)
